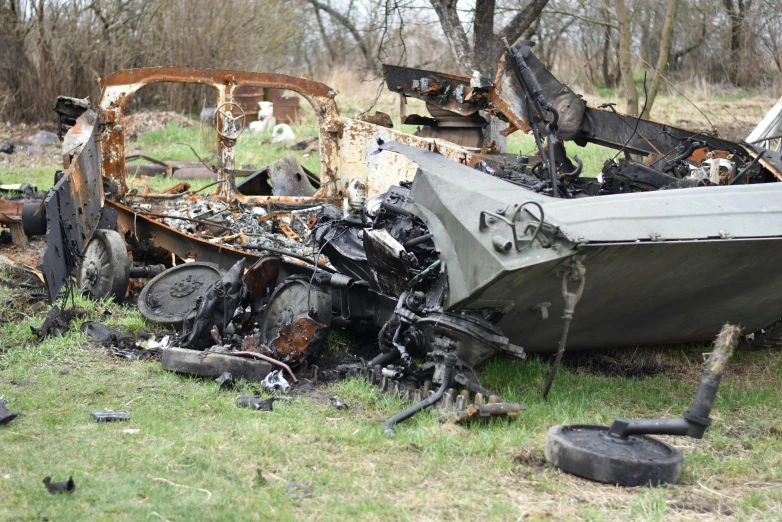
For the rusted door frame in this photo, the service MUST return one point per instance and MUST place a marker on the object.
(119, 88)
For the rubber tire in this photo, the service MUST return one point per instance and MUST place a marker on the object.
(34, 219)
(115, 266)
(619, 468)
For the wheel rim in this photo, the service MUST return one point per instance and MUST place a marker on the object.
(104, 271)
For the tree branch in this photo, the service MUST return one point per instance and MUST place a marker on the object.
(702, 38)
(484, 18)
(347, 24)
(523, 19)
(454, 32)
(582, 18)
(662, 58)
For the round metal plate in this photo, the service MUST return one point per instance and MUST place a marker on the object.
(170, 296)
(289, 303)
(588, 451)
(104, 271)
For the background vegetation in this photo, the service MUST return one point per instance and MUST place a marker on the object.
(52, 47)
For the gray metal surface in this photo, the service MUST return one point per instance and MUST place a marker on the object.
(73, 209)
(209, 364)
(658, 268)
(172, 295)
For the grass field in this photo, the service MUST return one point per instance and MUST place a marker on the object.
(196, 456)
(191, 434)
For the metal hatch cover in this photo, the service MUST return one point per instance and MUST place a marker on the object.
(172, 295)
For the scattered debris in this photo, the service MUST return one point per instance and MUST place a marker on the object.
(298, 490)
(483, 412)
(24, 189)
(624, 454)
(6, 415)
(110, 416)
(226, 381)
(57, 321)
(213, 365)
(282, 133)
(166, 481)
(337, 404)
(379, 118)
(56, 488)
(140, 347)
(266, 120)
(44, 138)
(275, 382)
(260, 479)
(256, 403)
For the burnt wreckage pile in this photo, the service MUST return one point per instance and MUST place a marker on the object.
(446, 254)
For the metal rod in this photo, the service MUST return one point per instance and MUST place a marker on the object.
(282, 251)
(268, 359)
(450, 362)
(746, 169)
(417, 241)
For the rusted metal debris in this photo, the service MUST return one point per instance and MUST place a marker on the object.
(451, 252)
(299, 340)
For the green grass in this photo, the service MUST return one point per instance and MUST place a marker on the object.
(593, 156)
(42, 177)
(431, 470)
(254, 151)
(173, 143)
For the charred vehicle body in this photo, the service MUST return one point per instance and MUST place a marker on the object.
(452, 254)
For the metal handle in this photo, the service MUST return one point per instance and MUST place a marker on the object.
(519, 242)
(696, 419)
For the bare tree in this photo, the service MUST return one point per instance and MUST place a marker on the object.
(737, 12)
(662, 58)
(483, 54)
(349, 21)
(625, 58)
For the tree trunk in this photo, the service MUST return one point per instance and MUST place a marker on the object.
(345, 22)
(608, 78)
(487, 49)
(736, 15)
(625, 58)
(662, 57)
(454, 33)
(326, 39)
(487, 46)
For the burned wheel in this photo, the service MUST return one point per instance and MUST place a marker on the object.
(296, 321)
(174, 294)
(104, 270)
(590, 452)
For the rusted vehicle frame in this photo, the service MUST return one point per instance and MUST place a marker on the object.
(119, 88)
(578, 122)
(347, 150)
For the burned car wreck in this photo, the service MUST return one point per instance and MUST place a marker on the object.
(448, 255)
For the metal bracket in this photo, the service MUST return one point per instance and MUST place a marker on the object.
(519, 242)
